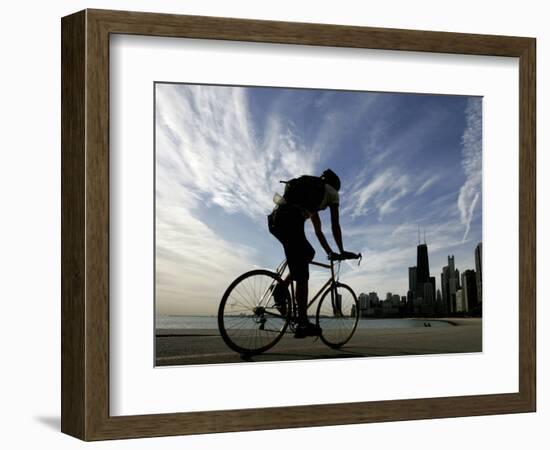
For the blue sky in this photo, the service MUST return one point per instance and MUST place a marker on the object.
(405, 161)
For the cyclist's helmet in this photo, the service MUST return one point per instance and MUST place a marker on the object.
(329, 177)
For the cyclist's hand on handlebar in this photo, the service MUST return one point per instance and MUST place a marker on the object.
(333, 256)
(349, 255)
(344, 255)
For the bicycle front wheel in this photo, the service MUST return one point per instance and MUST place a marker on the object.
(337, 315)
(249, 319)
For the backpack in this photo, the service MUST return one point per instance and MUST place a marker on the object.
(306, 191)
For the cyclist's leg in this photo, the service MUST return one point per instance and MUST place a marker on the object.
(280, 226)
(304, 253)
(301, 255)
(298, 253)
(288, 227)
(301, 300)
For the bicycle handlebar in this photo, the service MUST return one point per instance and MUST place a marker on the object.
(348, 255)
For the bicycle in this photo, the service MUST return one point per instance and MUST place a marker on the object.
(251, 322)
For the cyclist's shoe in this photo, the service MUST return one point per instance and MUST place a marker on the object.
(279, 296)
(307, 329)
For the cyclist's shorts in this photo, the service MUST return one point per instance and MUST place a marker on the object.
(286, 223)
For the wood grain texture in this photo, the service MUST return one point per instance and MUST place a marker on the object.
(85, 224)
(73, 226)
(151, 24)
(97, 225)
(527, 224)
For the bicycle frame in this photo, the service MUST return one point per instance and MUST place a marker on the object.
(331, 281)
(262, 309)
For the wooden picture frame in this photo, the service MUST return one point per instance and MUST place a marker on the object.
(85, 224)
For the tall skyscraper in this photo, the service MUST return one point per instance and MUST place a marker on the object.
(432, 282)
(445, 301)
(428, 300)
(479, 277)
(412, 278)
(450, 283)
(439, 303)
(411, 293)
(422, 266)
(421, 284)
(469, 288)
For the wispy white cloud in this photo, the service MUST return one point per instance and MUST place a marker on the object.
(471, 163)
(380, 194)
(427, 184)
(208, 154)
(216, 153)
(388, 174)
(218, 161)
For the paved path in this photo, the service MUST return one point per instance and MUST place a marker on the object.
(179, 347)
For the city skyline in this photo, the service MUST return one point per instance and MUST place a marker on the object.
(438, 285)
(405, 160)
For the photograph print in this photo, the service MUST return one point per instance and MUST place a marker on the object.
(303, 224)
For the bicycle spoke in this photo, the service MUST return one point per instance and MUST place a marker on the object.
(248, 294)
(263, 326)
(247, 307)
(233, 311)
(244, 297)
(238, 323)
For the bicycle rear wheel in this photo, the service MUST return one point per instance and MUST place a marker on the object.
(249, 320)
(337, 315)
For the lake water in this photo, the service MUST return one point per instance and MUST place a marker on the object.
(211, 322)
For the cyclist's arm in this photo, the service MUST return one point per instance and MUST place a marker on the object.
(316, 221)
(336, 230)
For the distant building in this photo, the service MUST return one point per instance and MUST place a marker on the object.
(422, 268)
(368, 304)
(427, 307)
(395, 300)
(445, 292)
(373, 298)
(469, 288)
(479, 272)
(432, 282)
(364, 304)
(429, 297)
(411, 293)
(460, 302)
(421, 293)
(439, 310)
(412, 278)
(417, 305)
(390, 308)
(363, 301)
(450, 283)
(410, 302)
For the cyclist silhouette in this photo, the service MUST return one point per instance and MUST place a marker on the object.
(303, 198)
